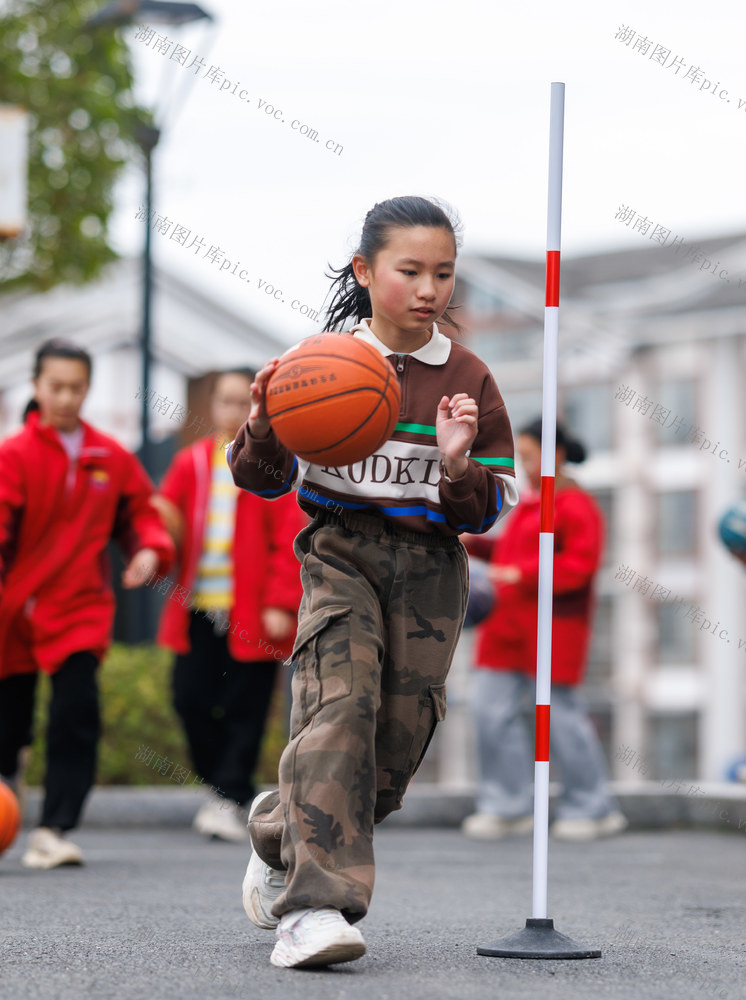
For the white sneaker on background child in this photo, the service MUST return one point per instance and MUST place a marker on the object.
(485, 826)
(315, 936)
(222, 818)
(48, 849)
(588, 829)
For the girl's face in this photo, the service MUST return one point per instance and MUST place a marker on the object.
(60, 389)
(231, 402)
(411, 279)
(529, 452)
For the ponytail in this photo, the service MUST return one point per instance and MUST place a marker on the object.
(350, 300)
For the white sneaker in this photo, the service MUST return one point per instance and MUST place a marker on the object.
(262, 885)
(484, 826)
(316, 936)
(48, 849)
(223, 819)
(588, 829)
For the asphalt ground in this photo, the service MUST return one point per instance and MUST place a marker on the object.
(156, 913)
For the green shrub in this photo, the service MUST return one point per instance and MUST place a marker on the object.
(137, 715)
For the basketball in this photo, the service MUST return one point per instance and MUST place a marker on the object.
(481, 593)
(333, 399)
(732, 528)
(10, 817)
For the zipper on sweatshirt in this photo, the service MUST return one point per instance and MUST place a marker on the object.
(72, 471)
(400, 364)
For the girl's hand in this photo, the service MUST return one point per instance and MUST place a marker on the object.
(259, 426)
(456, 428)
(504, 574)
(171, 517)
(278, 623)
(141, 567)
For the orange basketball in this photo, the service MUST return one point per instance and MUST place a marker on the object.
(10, 817)
(333, 399)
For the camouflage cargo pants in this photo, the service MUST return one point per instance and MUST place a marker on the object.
(378, 625)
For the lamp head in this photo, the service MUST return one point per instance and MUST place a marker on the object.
(123, 12)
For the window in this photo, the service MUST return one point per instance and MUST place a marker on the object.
(675, 635)
(587, 415)
(598, 672)
(523, 407)
(673, 745)
(678, 396)
(676, 523)
(479, 300)
(496, 347)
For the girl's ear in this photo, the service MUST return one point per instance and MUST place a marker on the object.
(361, 270)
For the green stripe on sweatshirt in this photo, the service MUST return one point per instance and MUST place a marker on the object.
(432, 430)
(508, 462)
(417, 428)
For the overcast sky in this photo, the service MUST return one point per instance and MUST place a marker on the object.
(445, 99)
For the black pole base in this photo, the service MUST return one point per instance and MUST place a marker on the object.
(538, 939)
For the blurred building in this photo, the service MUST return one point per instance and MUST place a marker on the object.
(652, 358)
(193, 335)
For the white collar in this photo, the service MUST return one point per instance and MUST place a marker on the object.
(435, 352)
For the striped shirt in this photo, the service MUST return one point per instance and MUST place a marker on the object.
(403, 481)
(213, 586)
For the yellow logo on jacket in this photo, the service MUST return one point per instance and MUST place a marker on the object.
(99, 479)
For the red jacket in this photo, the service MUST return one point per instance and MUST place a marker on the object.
(507, 638)
(266, 573)
(55, 523)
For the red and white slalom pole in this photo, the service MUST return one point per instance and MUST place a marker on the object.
(539, 939)
(546, 535)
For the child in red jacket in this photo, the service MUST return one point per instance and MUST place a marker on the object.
(65, 491)
(506, 660)
(232, 617)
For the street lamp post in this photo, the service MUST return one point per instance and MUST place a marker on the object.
(139, 609)
(124, 13)
(147, 138)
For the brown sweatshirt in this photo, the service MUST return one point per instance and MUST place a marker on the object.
(403, 481)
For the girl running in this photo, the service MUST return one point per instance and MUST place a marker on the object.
(384, 585)
(65, 490)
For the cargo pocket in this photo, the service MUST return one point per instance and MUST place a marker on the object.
(432, 711)
(322, 664)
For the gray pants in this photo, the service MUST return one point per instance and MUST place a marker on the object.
(505, 755)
